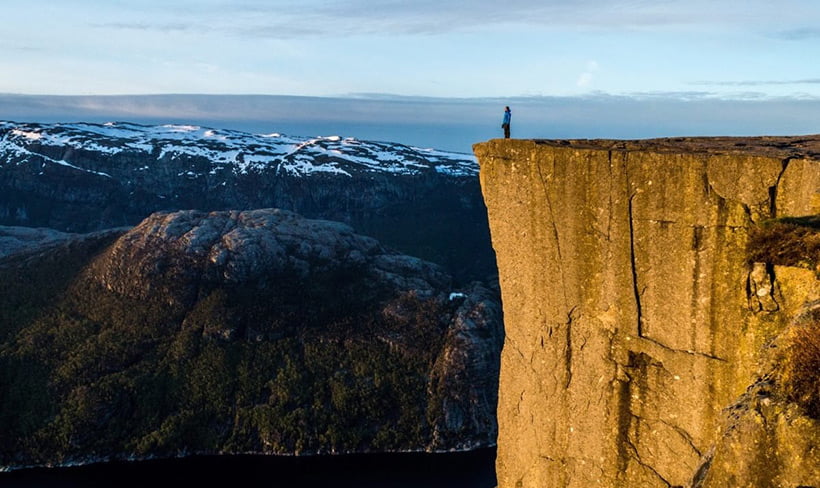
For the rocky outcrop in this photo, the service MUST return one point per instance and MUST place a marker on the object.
(240, 332)
(632, 317)
(767, 440)
(173, 256)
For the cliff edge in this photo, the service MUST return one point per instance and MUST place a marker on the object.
(633, 317)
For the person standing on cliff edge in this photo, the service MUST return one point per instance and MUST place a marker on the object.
(506, 123)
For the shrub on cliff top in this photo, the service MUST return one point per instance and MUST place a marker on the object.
(800, 378)
(789, 241)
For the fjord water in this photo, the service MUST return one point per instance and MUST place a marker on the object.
(453, 470)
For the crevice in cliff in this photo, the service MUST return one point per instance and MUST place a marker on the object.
(703, 470)
(773, 279)
(632, 387)
(684, 351)
(568, 352)
(774, 188)
(624, 418)
(680, 431)
(761, 288)
(634, 266)
(637, 458)
(721, 202)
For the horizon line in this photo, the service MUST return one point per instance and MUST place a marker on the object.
(683, 96)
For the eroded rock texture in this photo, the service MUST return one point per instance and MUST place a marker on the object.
(632, 318)
(770, 436)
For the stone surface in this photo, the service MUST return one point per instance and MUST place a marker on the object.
(766, 440)
(632, 318)
(172, 255)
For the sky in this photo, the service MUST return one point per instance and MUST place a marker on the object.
(700, 59)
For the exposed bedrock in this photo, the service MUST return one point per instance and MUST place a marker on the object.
(632, 317)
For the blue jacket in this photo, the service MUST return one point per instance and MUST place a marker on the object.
(507, 116)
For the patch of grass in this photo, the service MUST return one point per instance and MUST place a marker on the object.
(800, 377)
(790, 241)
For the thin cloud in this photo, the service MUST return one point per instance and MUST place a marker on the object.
(586, 78)
(801, 34)
(325, 18)
(149, 26)
(806, 81)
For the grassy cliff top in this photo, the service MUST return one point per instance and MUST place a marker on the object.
(781, 147)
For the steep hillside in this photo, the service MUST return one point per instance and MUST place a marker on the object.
(85, 177)
(633, 316)
(239, 332)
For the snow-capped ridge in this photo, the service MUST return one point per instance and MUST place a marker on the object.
(237, 151)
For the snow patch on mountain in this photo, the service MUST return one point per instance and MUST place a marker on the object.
(240, 152)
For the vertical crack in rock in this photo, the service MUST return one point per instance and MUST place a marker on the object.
(568, 352)
(774, 188)
(634, 266)
(652, 437)
(624, 416)
(761, 290)
(773, 289)
(634, 388)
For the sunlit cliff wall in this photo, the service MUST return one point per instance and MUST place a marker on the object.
(632, 317)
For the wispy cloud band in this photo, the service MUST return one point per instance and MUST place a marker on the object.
(806, 81)
(288, 19)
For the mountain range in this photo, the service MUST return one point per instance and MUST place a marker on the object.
(83, 177)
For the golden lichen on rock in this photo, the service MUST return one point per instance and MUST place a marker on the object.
(771, 434)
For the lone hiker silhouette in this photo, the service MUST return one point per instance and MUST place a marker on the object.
(506, 123)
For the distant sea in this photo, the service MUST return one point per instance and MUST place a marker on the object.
(453, 470)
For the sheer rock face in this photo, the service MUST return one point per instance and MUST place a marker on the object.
(767, 440)
(632, 318)
(240, 332)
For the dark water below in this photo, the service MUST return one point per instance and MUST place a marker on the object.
(456, 470)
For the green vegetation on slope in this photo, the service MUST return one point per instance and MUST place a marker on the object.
(280, 365)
